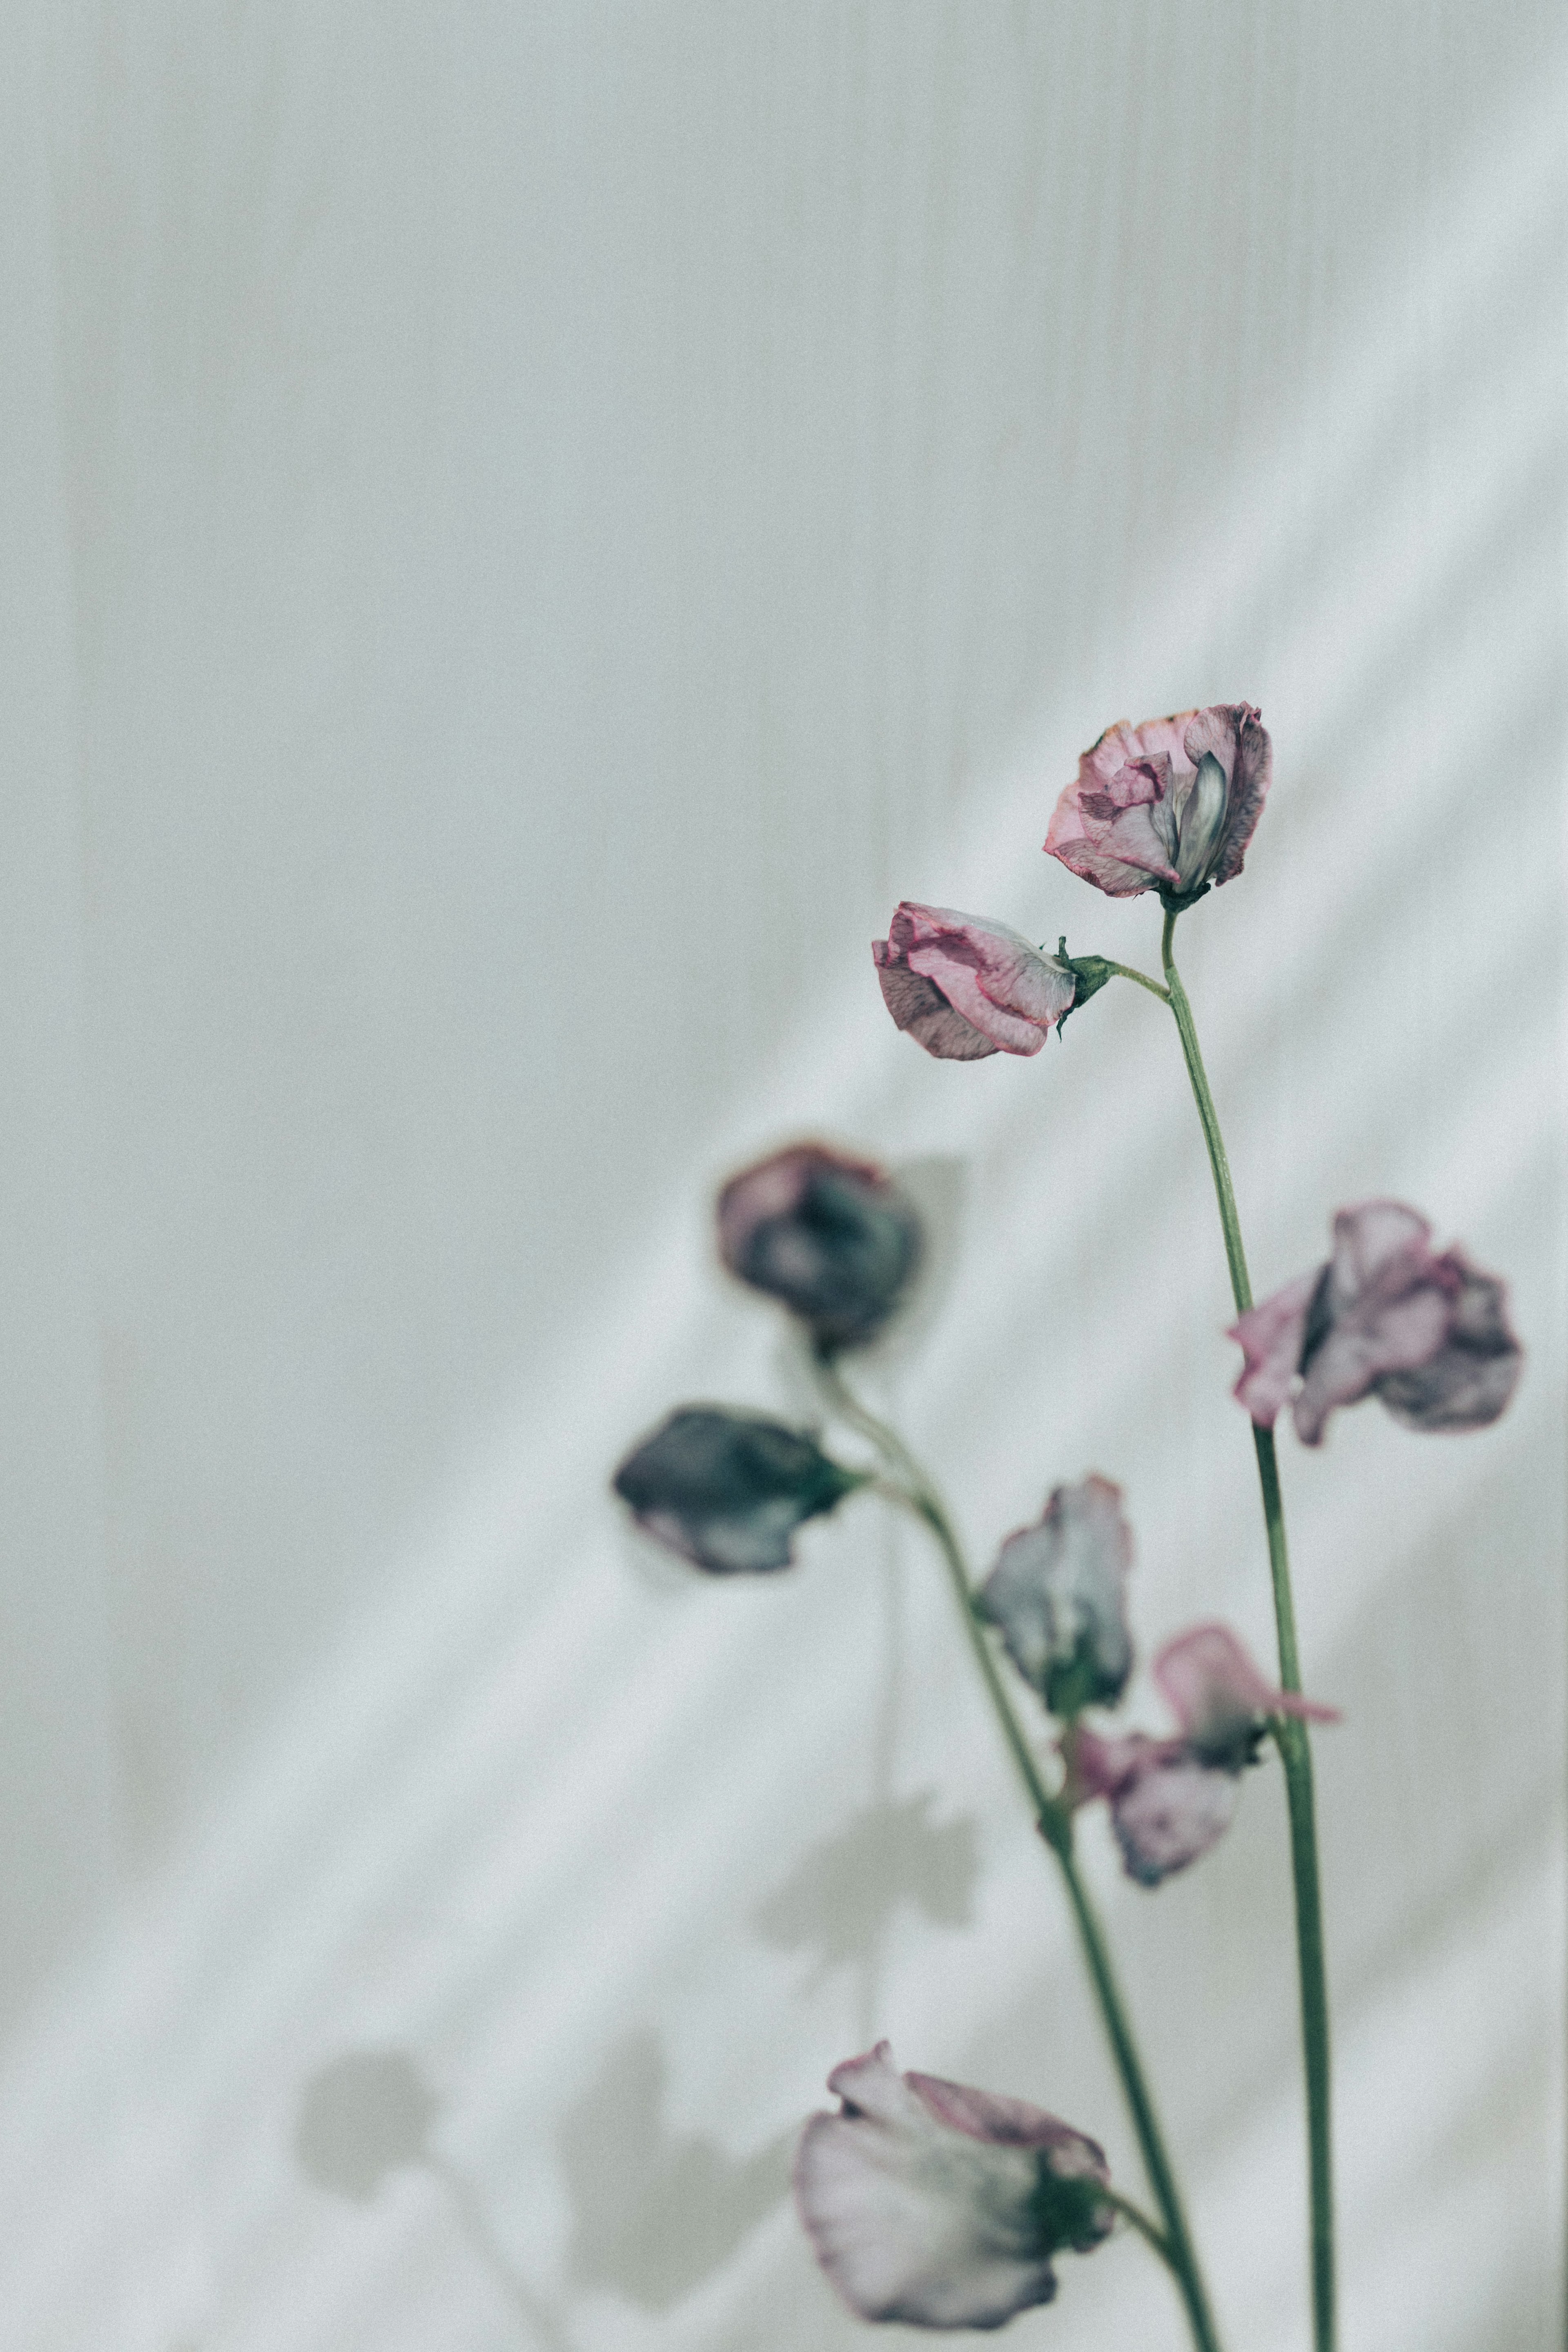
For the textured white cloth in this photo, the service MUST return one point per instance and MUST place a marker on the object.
(528, 530)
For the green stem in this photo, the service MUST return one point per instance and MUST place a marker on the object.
(1128, 972)
(913, 1489)
(1291, 1735)
(1148, 2229)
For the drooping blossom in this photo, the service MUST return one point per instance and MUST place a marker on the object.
(726, 1490)
(834, 1239)
(940, 2206)
(965, 988)
(1057, 1594)
(1385, 1317)
(1171, 1800)
(1169, 806)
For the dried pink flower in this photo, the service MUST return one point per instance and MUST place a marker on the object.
(1428, 1335)
(1172, 1800)
(965, 988)
(940, 2206)
(1170, 805)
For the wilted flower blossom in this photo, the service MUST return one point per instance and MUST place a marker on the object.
(940, 2206)
(727, 1490)
(965, 988)
(834, 1239)
(1428, 1336)
(1170, 805)
(1171, 1800)
(1057, 1594)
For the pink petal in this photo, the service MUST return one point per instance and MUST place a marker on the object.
(1101, 1766)
(1235, 733)
(965, 987)
(1216, 1693)
(1165, 1818)
(1472, 1376)
(921, 2198)
(1271, 1335)
(1390, 1307)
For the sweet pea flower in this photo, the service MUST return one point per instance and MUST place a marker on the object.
(726, 1490)
(1167, 806)
(1057, 1594)
(965, 988)
(1172, 1800)
(1427, 1336)
(832, 1238)
(940, 2206)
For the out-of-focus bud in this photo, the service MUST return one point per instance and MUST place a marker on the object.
(1059, 1594)
(726, 1490)
(832, 1239)
(939, 2206)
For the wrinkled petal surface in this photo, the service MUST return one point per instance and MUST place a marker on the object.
(832, 1238)
(1169, 805)
(1429, 1335)
(940, 2206)
(964, 987)
(726, 1490)
(1220, 1696)
(1058, 1595)
(1470, 1379)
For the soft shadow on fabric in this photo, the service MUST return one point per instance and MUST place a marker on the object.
(838, 1902)
(655, 2211)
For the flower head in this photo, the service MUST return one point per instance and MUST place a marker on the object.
(727, 1490)
(1057, 1592)
(1170, 805)
(1171, 1800)
(833, 1238)
(1428, 1335)
(963, 988)
(940, 2206)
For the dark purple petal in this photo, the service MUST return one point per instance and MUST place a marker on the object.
(833, 1239)
(1057, 1594)
(1473, 1374)
(940, 2206)
(727, 1490)
(965, 988)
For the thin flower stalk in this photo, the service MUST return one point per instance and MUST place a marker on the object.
(908, 1485)
(1290, 1732)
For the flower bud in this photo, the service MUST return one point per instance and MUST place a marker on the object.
(1059, 1592)
(832, 1239)
(965, 988)
(726, 1490)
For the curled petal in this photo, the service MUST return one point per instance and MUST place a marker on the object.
(965, 988)
(1473, 1374)
(833, 1239)
(1167, 1815)
(1220, 1698)
(1100, 1768)
(1387, 1316)
(940, 2206)
(1272, 1336)
(1057, 1594)
(1170, 805)
(727, 1490)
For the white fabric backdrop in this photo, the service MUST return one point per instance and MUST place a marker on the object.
(528, 529)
